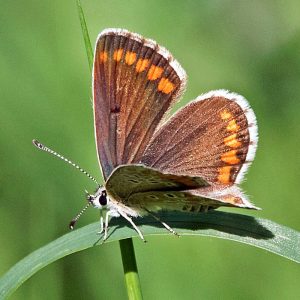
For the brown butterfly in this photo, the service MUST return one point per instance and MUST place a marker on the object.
(191, 162)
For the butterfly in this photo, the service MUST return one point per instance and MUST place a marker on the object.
(191, 162)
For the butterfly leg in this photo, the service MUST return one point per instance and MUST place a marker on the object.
(163, 223)
(101, 222)
(133, 225)
(105, 226)
(101, 225)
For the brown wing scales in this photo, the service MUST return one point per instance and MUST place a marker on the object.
(135, 82)
(212, 137)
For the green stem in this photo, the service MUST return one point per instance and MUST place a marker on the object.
(131, 274)
(86, 37)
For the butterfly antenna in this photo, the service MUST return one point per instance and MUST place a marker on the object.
(46, 149)
(74, 220)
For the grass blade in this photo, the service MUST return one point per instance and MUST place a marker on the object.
(85, 34)
(256, 232)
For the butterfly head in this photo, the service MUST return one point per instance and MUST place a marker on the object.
(99, 199)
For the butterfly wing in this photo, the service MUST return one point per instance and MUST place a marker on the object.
(185, 200)
(127, 180)
(139, 187)
(214, 137)
(134, 83)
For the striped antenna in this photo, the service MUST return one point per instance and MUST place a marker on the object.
(74, 220)
(46, 149)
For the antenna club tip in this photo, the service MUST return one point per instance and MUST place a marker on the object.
(37, 144)
(72, 223)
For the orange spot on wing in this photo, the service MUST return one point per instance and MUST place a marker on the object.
(103, 56)
(232, 126)
(165, 86)
(130, 58)
(118, 54)
(141, 65)
(224, 174)
(230, 157)
(154, 72)
(231, 141)
(225, 114)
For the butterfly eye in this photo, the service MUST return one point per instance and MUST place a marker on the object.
(103, 199)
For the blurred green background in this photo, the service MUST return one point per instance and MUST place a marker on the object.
(250, 47)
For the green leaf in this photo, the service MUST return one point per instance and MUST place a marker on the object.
(256, 232)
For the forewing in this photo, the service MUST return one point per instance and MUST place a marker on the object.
(213, 137)
(134, 83)
(127, 180)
